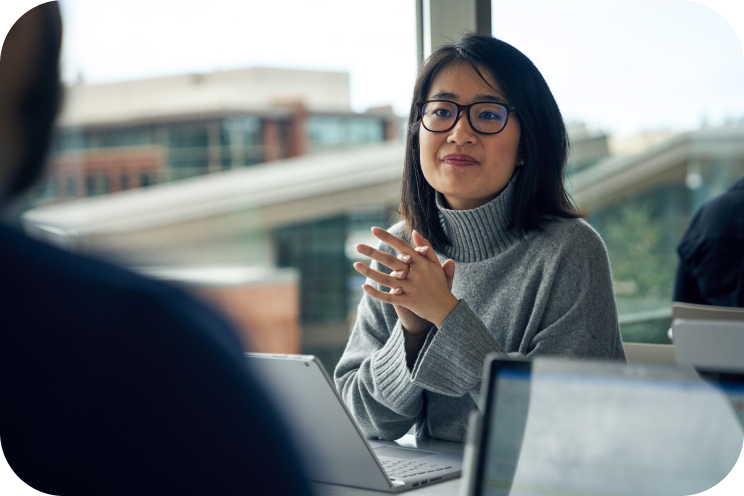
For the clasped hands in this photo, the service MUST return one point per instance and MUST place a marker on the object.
(420, 287)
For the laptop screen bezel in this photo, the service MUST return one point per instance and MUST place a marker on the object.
(495, 366)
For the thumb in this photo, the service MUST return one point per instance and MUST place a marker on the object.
(423, 247)
(449, 272)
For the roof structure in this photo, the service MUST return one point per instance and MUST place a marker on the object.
(255, 90)
(618, 176)
(219, 205)
(214, 209)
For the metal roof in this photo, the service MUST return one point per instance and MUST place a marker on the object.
(293, 186)
(260, 91)
(615, 176)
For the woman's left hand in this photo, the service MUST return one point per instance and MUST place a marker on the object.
(425, 289)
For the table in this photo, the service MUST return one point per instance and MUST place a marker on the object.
(446, 488)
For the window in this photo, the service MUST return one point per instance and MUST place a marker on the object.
(71, 187)
(97, 184)
(333, 132)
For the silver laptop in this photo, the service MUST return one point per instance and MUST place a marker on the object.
(553, 427)
(331, 441)
(709, 344)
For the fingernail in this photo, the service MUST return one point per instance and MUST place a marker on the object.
(361, 248)
(397, 273)
(397, 291)
(406, 258)
(421, 249)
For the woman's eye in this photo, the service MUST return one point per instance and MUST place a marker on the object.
(442, 113)
(489, 116)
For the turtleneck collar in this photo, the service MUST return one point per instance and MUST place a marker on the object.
(481, 233)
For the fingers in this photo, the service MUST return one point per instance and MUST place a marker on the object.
(386, 259)
(398, 244)
(383, 297)
(379, 277)
(449, 271)
(423, 247)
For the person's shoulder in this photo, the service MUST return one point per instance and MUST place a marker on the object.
(727, 205)
(84, 286)
(571, 234)
(398, 229)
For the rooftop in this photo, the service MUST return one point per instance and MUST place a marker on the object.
(254, 90)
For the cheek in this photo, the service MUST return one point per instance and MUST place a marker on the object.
(428, 147)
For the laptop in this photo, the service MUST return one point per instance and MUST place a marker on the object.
(333, 444)
(692, 311)
(709, 344)
(553, 427)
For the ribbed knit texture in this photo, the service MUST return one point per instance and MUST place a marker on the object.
(549, 293)
(465, 228)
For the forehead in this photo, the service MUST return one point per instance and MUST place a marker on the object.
(461, 82)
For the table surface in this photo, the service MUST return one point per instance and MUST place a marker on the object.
(446, 488)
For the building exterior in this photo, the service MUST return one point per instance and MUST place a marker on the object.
(304, 214)
(642, 202)
(307, 211)
(120, 136)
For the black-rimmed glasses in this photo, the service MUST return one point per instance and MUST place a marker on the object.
(439, 116)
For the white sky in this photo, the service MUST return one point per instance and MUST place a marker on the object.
(619, 65)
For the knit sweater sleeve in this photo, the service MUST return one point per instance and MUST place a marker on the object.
(372, 375)
(572, 314)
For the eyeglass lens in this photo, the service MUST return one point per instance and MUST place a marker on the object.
(484, 117)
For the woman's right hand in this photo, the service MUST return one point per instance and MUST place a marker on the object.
(412, 323)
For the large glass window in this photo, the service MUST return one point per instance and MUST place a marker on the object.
(620, 72)
(333, 132)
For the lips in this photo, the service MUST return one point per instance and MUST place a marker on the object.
(459, 159)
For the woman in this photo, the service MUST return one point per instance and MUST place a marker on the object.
(524, 275)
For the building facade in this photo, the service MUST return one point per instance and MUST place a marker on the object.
(122, 136)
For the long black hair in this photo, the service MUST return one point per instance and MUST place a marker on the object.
(543, 146)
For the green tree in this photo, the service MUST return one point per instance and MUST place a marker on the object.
(634, 243)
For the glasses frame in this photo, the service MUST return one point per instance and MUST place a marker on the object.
(460, 110)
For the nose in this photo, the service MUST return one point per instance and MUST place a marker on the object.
(462, 133)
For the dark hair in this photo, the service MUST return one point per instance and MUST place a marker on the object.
(41, 101)
(543, 146)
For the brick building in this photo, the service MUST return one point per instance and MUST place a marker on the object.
(119, 136)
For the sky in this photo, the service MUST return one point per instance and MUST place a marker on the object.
(621, 66)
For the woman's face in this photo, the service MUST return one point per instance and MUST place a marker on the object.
(468, 168)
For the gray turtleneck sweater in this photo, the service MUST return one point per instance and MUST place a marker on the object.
(549, 293)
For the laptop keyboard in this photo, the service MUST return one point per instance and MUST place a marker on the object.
(408, 468)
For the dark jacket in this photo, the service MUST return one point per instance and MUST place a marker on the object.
(114, 384)
(711, 252)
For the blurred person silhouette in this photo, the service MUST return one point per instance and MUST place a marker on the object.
(711, 253)
(111, 383)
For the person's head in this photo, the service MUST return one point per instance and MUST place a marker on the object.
(30, 95)
(470, 159)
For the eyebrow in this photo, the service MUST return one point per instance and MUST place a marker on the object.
(478, 98)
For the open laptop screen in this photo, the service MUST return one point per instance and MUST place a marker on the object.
(556, 427)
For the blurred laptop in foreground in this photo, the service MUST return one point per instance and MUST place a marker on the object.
(335, 447)
(568, 427)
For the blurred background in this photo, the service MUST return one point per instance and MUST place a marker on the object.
(242, 149)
